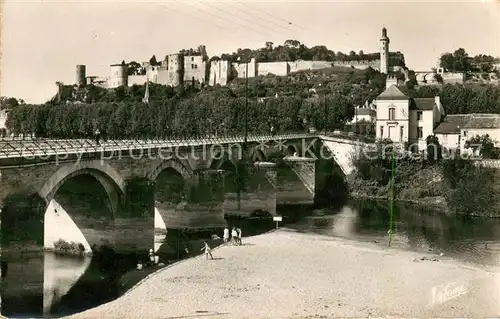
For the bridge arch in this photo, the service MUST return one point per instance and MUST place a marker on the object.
(172, 180)
(107, 176)
(257, 155)
(184, 169)
(291, 150)
(86, 198)
(222, 161)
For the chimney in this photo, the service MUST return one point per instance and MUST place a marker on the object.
(390, 80)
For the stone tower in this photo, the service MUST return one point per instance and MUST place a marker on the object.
(80, 75)
(384, 52)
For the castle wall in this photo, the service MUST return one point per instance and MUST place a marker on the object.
(194, 69)
(453, 77)
(360, 65)
(219, 72)
(240, 68)
(275, 68)
(137, 80)
(171, 70)
(301, 65)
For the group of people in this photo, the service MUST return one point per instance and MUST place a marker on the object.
(235, 236)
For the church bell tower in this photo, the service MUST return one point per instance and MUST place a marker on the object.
(384, 52)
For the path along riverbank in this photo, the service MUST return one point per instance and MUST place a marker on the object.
(290, 274)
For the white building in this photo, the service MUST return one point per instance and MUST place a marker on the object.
(456, 129)
(364, 115)
(448, 131)
(406, 120)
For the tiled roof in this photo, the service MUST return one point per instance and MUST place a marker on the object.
(452, 124)
(483, 121)
(423, 104)
(365, 111)
(393, 92)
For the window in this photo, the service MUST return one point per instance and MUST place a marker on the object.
(419, 116)
(392, 113)
(192, 66)
(196, 66)
(381, 132)
(401, 133)
(192, 58)
(465, 133)
(420, 132)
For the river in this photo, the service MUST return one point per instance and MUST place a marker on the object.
(55, 285)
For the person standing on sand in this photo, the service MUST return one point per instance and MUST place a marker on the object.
(238, 231)
(207, 250)
(234, 236)
(226, 235)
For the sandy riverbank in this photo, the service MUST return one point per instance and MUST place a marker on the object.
(289, 274)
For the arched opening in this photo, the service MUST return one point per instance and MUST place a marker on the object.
(230, 181)
(291, 151)
(258, 156)
(170, 188)
(81, 212)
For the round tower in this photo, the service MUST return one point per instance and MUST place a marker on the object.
(384, 52)
(118, 75)
(81, 75)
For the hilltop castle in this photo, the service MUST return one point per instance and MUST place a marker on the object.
(196, 68)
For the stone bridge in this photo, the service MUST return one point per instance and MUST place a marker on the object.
(111, 190)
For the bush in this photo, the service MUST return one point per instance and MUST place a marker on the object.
(472, 188)
(64, 248)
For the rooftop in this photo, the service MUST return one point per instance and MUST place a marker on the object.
(452, 124)
(423, 104)
(483, 121)
(365, 111)
(393, 92)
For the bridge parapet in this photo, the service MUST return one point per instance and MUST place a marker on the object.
(46, 147)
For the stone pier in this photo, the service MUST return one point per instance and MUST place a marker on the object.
(258, 194)
(201, 207)
(296, 181)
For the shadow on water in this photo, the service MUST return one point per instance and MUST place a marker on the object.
(475, 240)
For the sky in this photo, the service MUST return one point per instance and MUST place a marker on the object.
(42, 41)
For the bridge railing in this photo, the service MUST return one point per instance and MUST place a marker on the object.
(14, 148)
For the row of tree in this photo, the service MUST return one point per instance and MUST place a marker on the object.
(460, 61)
(197, 116)
(463, 99)
(293, 50)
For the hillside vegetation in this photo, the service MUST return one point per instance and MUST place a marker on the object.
(455, 185)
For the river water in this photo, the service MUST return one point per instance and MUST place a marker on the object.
(56, 286)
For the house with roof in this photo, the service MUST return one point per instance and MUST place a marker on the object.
(449, 130)
(456, 129)
(403, 119)
(364, 114)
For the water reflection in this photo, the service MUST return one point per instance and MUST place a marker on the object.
(60, 275)
(473, 240)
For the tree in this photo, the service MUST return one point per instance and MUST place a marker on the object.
(433, 149)
(459, 61)
(484, 145)
(292, 43)
(9, 102)
(153, 61)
